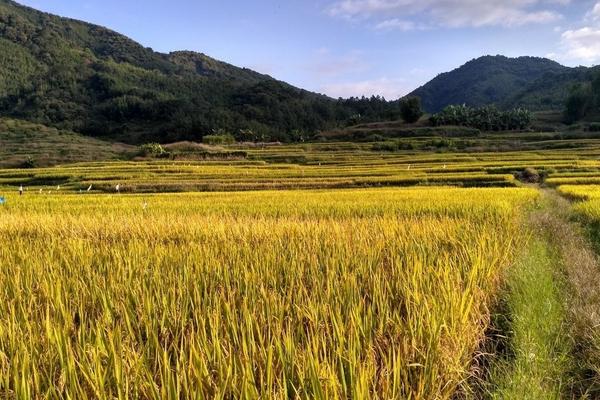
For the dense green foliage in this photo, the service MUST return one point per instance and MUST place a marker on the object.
(584, 100)
(84, 78)
(410, 109)
(81, 77)
(550, 91)
(533, 83)
(487, 118)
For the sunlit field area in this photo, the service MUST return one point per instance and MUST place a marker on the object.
(316, 166)
(373, 217)
(302, 271)
(376, 293)
(586, 204)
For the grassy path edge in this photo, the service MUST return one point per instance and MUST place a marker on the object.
(552, 303)
(539, 351)
(581, 268)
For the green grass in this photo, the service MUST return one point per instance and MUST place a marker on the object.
(579, 241)
(539, 346)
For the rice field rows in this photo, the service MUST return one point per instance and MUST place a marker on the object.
(314, 167)
(370, 293)
(211, 279)
(587, 206)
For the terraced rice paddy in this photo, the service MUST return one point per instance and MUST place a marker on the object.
(351, 285)
(587, 204)
(314, 167)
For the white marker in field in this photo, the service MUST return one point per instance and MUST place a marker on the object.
(58, 188)
(89, 189)
(118, 188)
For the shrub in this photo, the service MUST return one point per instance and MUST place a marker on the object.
(392, 146)
(456, 131)
(152, 150)
(29, 162)
(386, 146)
(575, 127)
(375, 138)
(530, 175)
(439, 143)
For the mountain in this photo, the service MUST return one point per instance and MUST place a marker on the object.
(551, 90)
(530, 82)
(201, 64)
(84, 78)
(81, 77)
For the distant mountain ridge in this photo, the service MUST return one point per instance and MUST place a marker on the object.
(78, 76)
(530, 82)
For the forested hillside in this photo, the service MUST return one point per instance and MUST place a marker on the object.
(80, 77)
(529, 82)
(89, 79)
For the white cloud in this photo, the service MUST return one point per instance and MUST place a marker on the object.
(582, 44)
(397, 24)
(450, 13)
(391, 89)
(594, 14)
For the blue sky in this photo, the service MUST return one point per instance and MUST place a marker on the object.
(352, 47)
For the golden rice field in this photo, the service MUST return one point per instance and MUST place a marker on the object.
(587, 199)
(581, 192)
(313, 271)
(314, 166)
(338, 294)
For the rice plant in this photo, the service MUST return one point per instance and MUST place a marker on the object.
(375, 293)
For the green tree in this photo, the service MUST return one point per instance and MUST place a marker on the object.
(577, 104)
(410, 109)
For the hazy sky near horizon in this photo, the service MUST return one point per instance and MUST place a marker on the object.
(351, 47)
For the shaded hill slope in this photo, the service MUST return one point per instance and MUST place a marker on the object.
(530, 82)
(83, 77)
